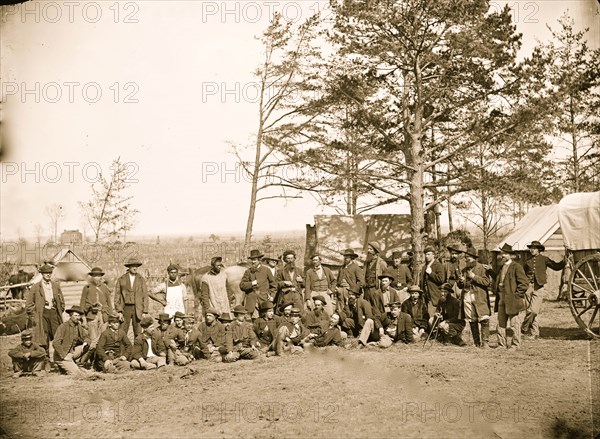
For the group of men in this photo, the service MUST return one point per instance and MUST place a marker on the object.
(284, 310)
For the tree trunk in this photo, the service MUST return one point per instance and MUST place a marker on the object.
(416, 203)
(574, 142)
(450, 221)
(253, 190)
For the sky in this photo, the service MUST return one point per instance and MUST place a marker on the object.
(165, 86)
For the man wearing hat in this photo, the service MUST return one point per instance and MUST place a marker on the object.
(402, 275)
(289, 272)
(448, 314)
(258, 283)
(454, 264)
(96, 304)
(212, 336)
(318, 315)
(174, 292)
(329, 334)
(245, 344)
(474, 282)
(392, 327)
(266, 327)
(27, 358)
(535, 269)
(189, 346)
(432, 278)
(374, 267)
(350, 277)
(213, 291)
(381, 299)
(289, 294)
(416, 308)
(114, 348)
(511, 287)
(166, 332)
(70, 342)
(358, 318)
(148, 352)
(44, 306)
(320, 281)
(131, 297)
(272, 264)
(290, 334)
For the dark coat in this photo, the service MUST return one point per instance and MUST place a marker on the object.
(242, 335)
(116, 341)
(34, 351)
(311, 278)
(402, 276)
(310, 318)
(265, 286)
(34, 305)
(266, 330)
(140, 290)
(304, 331)
(513, 290)
(354, 317)
(140, 347)
(418, 313)
(431, 283)
(68, 335)
(535, 269)
(352, 274)
(404, 326)
(92, 294)
(478, 285)
(328, 336)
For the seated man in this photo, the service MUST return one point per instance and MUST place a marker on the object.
(114, 348)
(244, 343)
(358, 318)
(212, 337)
(416, 308)
(70, 342)
(167, 332)
(27, 358)
(188, 343)
(290, 334)
(393, 327)
(318, 315)
(447, 314)
(327, 336)
(266, 327)
(148, 352)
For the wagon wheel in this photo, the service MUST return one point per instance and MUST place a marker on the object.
(584, 294)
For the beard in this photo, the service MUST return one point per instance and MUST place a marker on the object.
(370, 257)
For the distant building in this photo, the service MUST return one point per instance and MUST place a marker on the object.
(71, 237)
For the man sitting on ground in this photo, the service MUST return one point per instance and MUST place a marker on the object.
(27, 358)
(113, 350)
(245, 344)
(148, 352)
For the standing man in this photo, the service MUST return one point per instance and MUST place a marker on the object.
(289, 272)
(511, 287)
(174, 290)
(474, 282)
(454, 265)
(402, 275)
(350, 278)
(535, 269)
(258, 283)
(44, 306)
(213, 292)
(320, 281)
(70, 342)
(131, 297)
(96, 304)
(432, 278)
(272, 264)
(374, 267)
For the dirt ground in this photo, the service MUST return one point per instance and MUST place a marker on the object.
(545, 389)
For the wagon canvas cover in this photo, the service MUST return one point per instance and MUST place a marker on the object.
(579, 217)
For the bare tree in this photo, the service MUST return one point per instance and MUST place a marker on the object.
(55, 212)
(39, 230)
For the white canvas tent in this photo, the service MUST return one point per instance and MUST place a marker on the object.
(540, 224)
(69, 267)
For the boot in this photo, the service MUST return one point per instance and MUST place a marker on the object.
(485, 334)
(457, 340)
(475, 333)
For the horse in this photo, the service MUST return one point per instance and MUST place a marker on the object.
(19, 278)
(234, 275)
